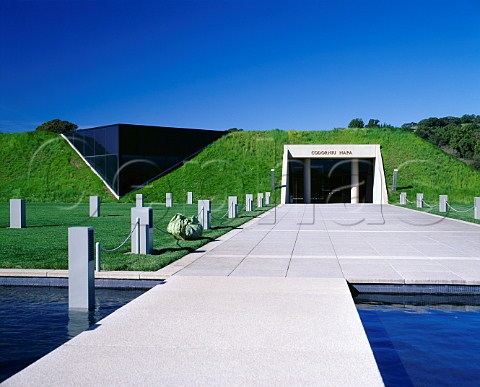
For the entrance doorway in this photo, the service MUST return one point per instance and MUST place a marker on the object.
(329, 180)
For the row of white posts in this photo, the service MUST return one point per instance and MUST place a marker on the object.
(442, 203)
(262, 199)
(82, 250)
(18, 206)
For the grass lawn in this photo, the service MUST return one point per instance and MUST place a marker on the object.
(44, 243)
(463, 211)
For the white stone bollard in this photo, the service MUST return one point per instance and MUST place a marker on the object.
(94, 206)
(267, 198)
(403, 198)
(98, 256)
(138, 200)
(476, 210)
(232, 207)
(442, 204)
(17, 213)
(249, 202)
(189, 197)
(169, 199)
(419, 200)
(142, 238)
(204, 213)
(395, 178)
(260, 200)
(81, 265)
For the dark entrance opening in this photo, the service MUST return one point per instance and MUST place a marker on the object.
(330, 180)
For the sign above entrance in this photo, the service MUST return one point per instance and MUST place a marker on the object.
(332, 151)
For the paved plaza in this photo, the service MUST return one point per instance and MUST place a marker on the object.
(266, 304)
(361, 243)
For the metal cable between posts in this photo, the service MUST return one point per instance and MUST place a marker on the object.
(408, 201)
(123, 243)
(219, 219)
(428, 205)
(467, 210)
(163, 231)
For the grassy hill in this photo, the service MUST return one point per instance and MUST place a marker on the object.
(42, 167)
(240, 163)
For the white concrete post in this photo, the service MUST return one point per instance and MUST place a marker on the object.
(419, 200)
(97, 256)
(307, 183)
(138, 200)
(403, 198)
(94, 206)
(442, 204)
(232, 207)
(142, 238)
(249, 202)
(354, 194)
(260, 200)
(17, 213)
(169, 199)
(267, 198)
(81, 262)
(476, 210)
(204, 213)
(189, 197)
(395, 178)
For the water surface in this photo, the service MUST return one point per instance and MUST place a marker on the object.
(36, 320)
(424, 340)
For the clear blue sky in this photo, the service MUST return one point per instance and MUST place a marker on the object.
(231, 63)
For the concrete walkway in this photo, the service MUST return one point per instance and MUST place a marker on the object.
(267, 304)
(205, 331)
(362, 243)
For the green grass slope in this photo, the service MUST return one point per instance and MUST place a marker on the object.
(42, 167)
(240, 163)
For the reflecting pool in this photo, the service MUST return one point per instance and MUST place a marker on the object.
(36, 320)
(423, 340)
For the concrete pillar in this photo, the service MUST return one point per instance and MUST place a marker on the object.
(355, 187)
(232, 207)
(476, 210)
(139, 200)
(395, 178)
(81, 266)
(260, 200)
(307, 181)
(249, 202)
(204, 213)
(17, 213)
(267, 198)
(142, 238)
(442, 203)
(403, 198)
(419, 200)
(189, 197)
(169, 199)
(94, 206)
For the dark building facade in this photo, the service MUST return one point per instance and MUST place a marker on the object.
(128, 156)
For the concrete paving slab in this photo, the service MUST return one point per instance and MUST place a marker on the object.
(220, 331)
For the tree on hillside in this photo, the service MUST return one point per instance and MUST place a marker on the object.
(372, 123)
(356, 123)
(409, 126)
(57, 126)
